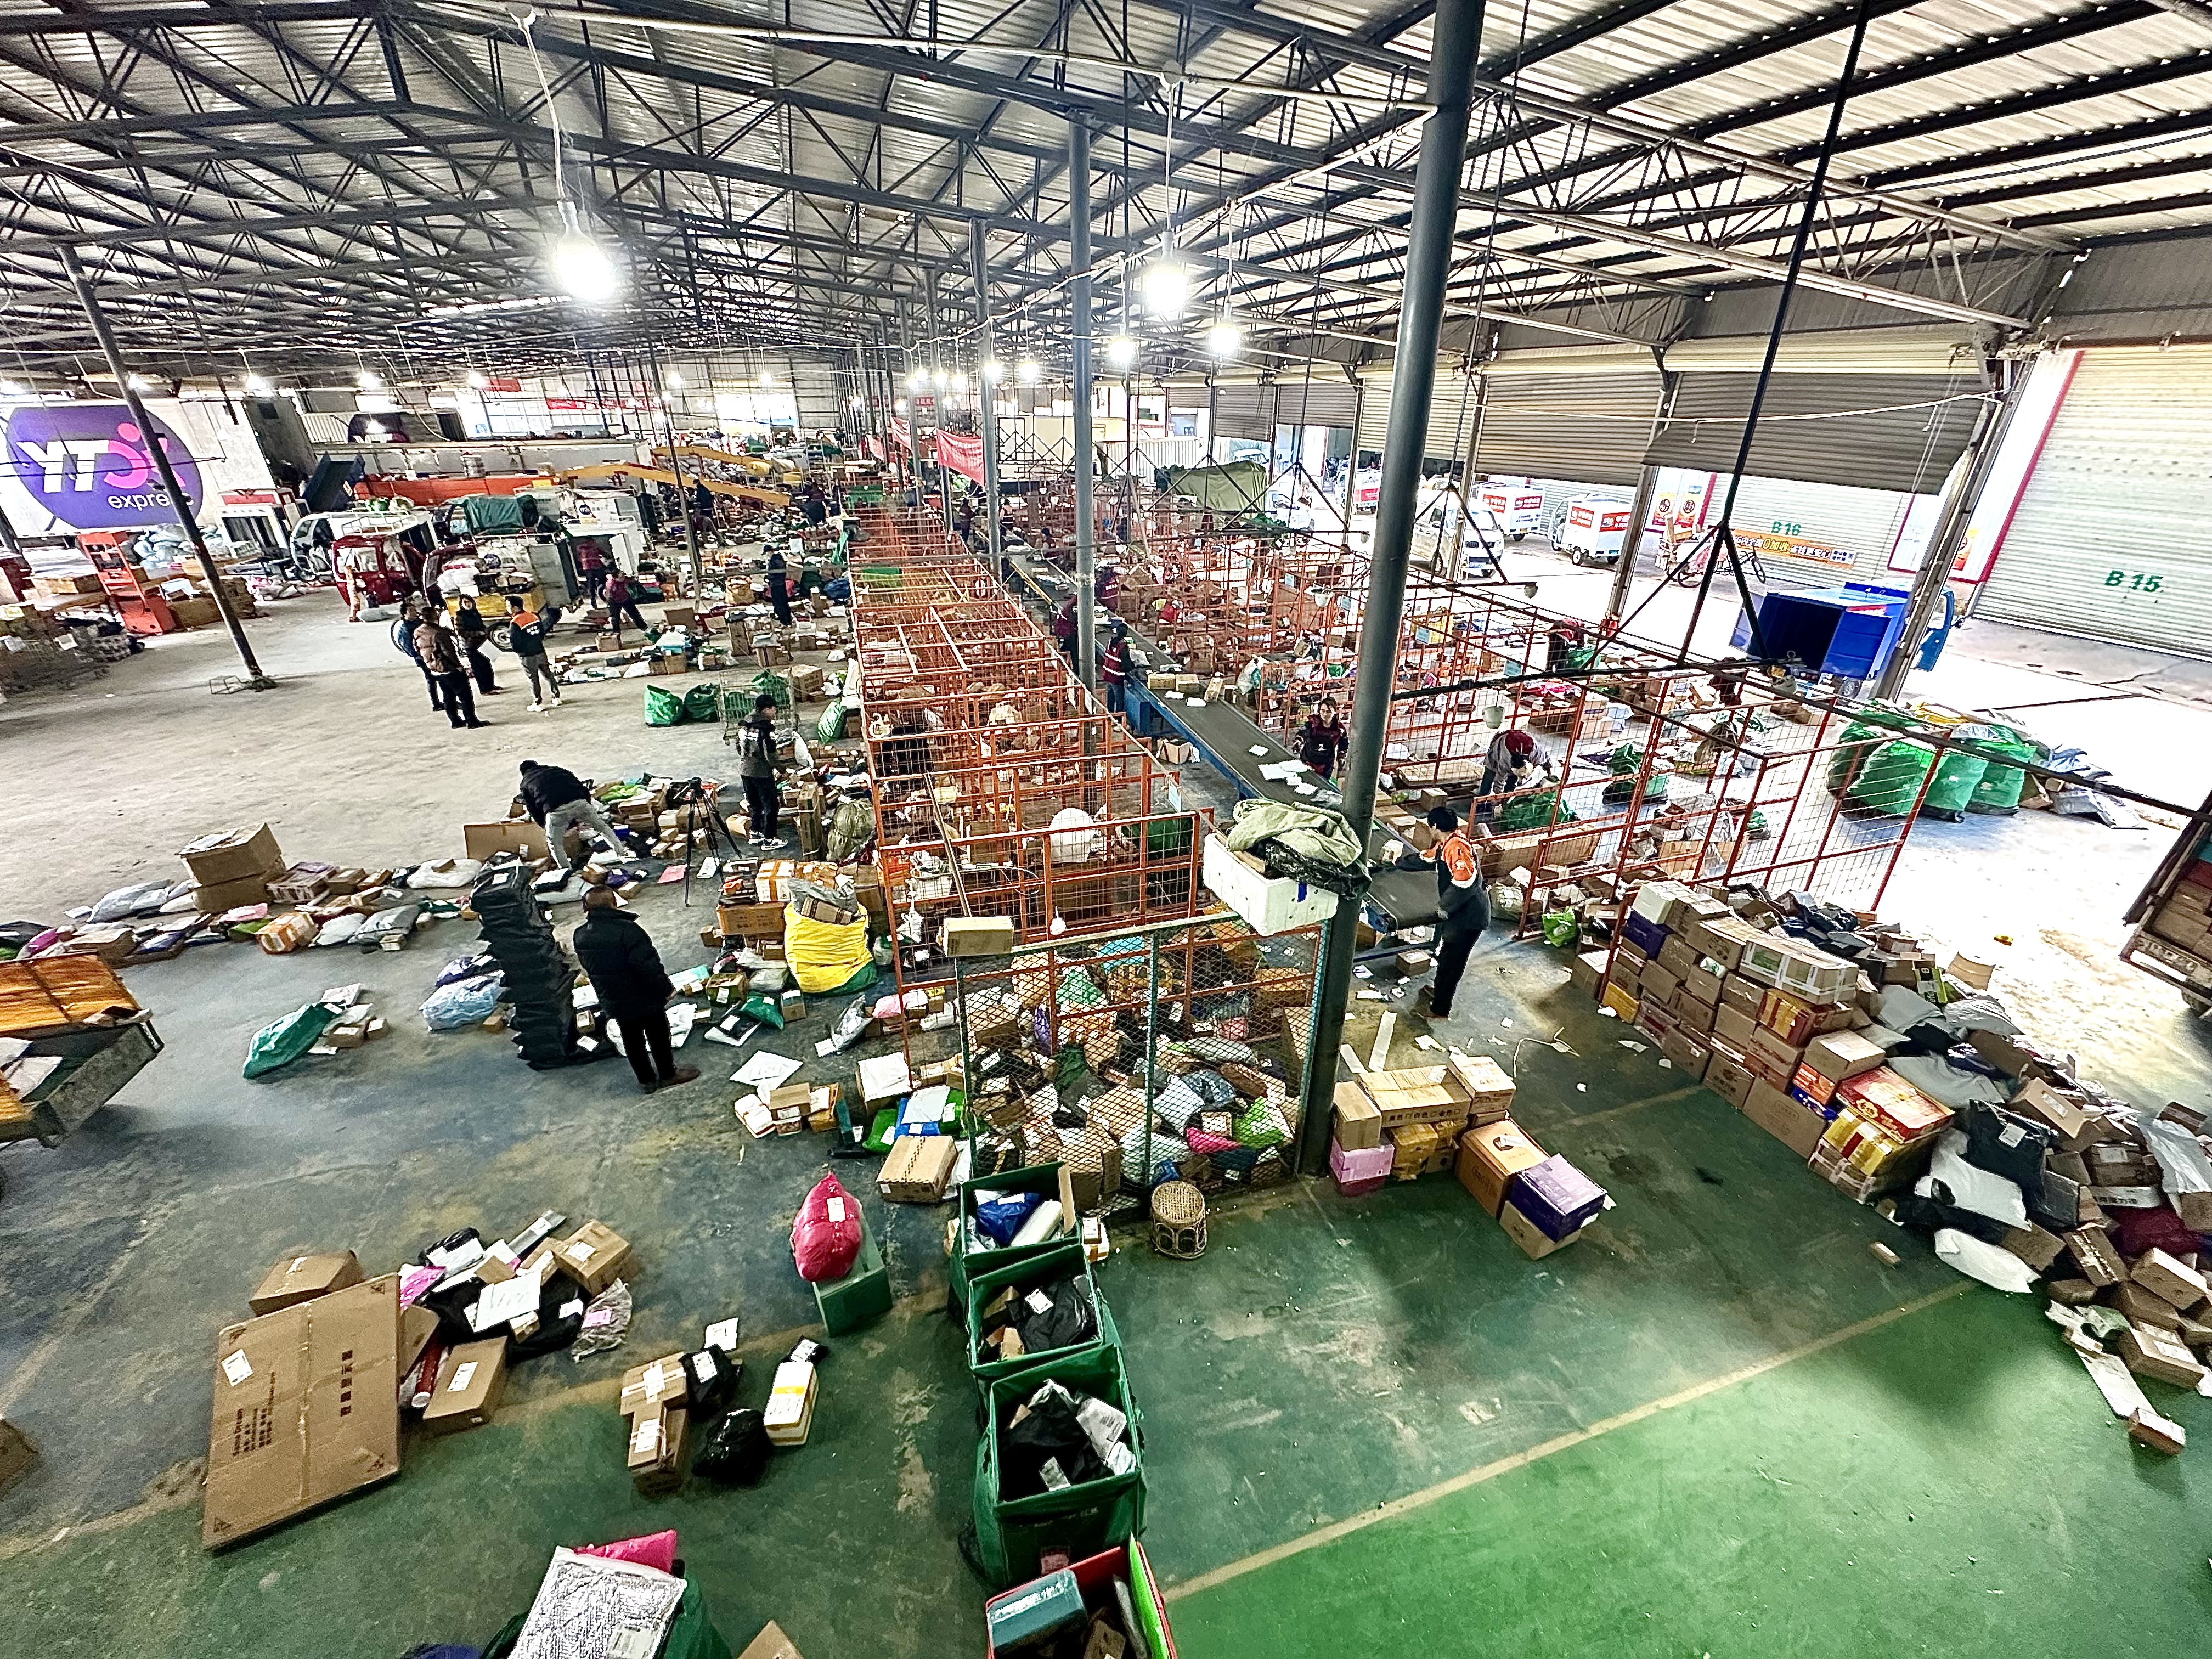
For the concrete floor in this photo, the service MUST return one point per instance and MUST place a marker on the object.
(1367, 1421)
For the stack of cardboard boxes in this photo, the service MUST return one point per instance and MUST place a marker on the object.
(1418, 1121)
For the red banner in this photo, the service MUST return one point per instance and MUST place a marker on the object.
(901, 435)
(962, 453)
(875, 447)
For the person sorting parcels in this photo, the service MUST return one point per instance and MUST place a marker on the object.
(557, 798)
(632, 986)
(1462, 909)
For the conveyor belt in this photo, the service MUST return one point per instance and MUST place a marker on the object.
(1225, 736)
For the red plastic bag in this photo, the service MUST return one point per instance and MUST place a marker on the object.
(653, 1549)
(827, 1235)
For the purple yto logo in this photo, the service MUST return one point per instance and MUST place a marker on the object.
(89, 465)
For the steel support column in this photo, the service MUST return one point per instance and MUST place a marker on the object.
(986, 389)
(1631, 545)
(676, 465)
(1974, 464)
(179, 504)
(1087, 551)
(1457, 32)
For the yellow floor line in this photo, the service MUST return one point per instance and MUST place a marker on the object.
(1475, 1477)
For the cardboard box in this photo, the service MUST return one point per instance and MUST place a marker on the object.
(651, 1387)
(771, 1643)
(917, 1169)
(1534, 1242)
(1657, 983)
(1358, 1120)
(17, 1452)
(1838, 1055)
(1729, 1078)
(1618, 999)
(1773, 1056)
(1587, 972)
(594, 1255)
(518, 835)
(234, 854)
(2168, 1279)
(307, 1409)
(1491, 1155)
(1490, 1091)
(302, 1277)
(1747, 996)
(1689, 1053)
(471, 1380)
(1691, 1015)
(2099, 1258)
(2149, 1351)
(214, 898)
(2139, 1306)
(1795, 1126)
(1734, 1028)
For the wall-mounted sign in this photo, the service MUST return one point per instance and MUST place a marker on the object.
(1775, 546)
(91, 467)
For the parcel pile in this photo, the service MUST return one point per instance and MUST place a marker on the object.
(1906, 1085)
(311, 1393)
(1417, 1121)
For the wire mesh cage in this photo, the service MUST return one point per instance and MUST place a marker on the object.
(1170, 1052)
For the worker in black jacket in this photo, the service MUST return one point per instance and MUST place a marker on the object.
(632, 986)
(557, 798)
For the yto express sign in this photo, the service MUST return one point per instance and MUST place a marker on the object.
(91, 467)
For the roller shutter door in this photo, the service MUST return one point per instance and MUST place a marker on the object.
(1452, 405)
(1576, 413)
(1374, 410)
(1874, 431)
(2109, 540)
(1244, 411)
(1317, 401)
(1860, 523)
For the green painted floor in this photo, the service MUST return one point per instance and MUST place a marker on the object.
(1944, 1479)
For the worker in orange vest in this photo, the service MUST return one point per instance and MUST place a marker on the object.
(1462, 911)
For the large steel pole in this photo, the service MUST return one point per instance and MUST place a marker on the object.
(179, 504)
(986, 389)
(1078, 256)
(1974, 465)
(1631, 544)
(1457, 32)
(675, 464)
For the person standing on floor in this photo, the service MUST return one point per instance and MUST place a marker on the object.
(469, 624)
(1463, 910)
(1114, 670)
(440, 652)
(525, 637)
(621, 601)
(779, 585)
(618, 956)
(557, 798)
(592, 567)
(1321, 739)
(403, 636)
(757, 767)
(1063, 627)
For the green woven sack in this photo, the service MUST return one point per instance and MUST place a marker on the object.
(663, 707)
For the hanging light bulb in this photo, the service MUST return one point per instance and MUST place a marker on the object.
(899, 407)
(960, 384)
(939, 381)
(1120, 352)
(1224, 339)
(1027, 370)
(995, 371)
(1166, 287)
(917, 381)
(140, 383)
(581, 267)
(367, 380)
(477, 380)
(11, 388)
(675, 381)
(767, 378)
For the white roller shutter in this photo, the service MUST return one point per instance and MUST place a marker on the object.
(1860, 523)
(2110, 540)
(1374, 408)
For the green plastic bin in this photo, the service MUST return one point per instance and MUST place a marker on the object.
(1012, 1534)
(1059, 1260)
(1049, 1179)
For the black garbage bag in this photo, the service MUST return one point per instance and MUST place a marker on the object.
(1930, 1214)
(737, 1452)
(1048, 1448)
(560, 1307)
(2006, 1144)
(710, 1376)
(1054, 1316)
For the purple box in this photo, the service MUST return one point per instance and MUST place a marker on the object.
(1363, 1164)
(1643, 933)
(1556, 1197)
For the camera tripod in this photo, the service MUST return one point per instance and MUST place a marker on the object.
(700, 814)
